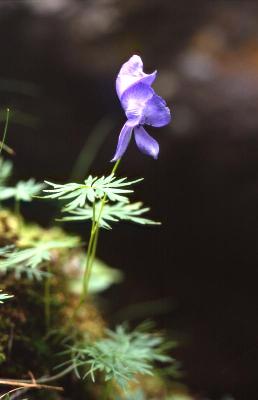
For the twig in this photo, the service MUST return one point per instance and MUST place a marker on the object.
(34, 385)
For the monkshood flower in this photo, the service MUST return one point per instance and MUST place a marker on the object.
(142, 106)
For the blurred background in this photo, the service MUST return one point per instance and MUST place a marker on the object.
(197, 274)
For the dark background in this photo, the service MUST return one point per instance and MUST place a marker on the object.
(197, 274)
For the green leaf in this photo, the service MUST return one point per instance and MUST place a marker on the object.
(6, 193)
(23, 191)
(6, 168)
(29, 261)
(91, 190)
(4, 296)
(112, 213)
(6, 250)
(120, 356)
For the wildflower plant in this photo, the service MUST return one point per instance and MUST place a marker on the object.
(118, 356)
(105, 200)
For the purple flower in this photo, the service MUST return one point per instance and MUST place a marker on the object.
(142, 106)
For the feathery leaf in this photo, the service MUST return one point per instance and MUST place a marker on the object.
(91, 190)
(120, 356)
(112, 213)
(30, 260)
(23, 191)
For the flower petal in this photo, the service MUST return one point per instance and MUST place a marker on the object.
(134, 101)
(156, 113)
(145, 142)
(132, 72)
(123, 141)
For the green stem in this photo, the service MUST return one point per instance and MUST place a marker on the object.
(17, 209)
(91, 250)
(47, 299)
(107, 390)
(86, 275)
(91, 259)
(7, 394)
(5, 130)
(94, 240)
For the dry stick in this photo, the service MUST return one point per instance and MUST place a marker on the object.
(8, 150)
(22, 384)
(40, 380)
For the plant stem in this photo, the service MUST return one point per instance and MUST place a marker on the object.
(91, 251)
(5, 129)
(107, 390)
(91, 259)
(94, 240)
(47, 299)
(86, 275)
(17, 209)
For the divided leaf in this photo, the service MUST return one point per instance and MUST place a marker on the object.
(30, 260)
(112, 213)
(120, 356)
(23, 191)
(91, 190)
